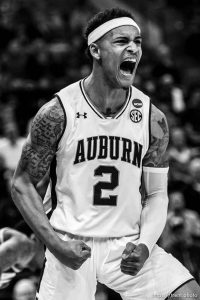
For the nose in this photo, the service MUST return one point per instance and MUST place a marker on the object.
(132, 47)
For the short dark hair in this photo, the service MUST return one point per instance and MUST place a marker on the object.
(102, 17)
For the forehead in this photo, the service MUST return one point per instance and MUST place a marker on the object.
(125, 30)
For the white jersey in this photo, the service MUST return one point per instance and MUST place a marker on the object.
(96, 176)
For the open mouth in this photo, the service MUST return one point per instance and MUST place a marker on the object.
(127, 67)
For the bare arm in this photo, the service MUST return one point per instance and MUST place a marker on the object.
(36, 158)
(156, 155)
(34, 163)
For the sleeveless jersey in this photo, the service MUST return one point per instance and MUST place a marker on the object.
(96, 176)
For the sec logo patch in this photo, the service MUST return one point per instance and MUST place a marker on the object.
(137, 103)
(135, 115)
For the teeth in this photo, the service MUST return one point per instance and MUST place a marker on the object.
(127, 66)
(126, 73)
(131, 59)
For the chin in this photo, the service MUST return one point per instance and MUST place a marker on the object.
(125, 84)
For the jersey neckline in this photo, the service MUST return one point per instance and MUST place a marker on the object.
(81, 83)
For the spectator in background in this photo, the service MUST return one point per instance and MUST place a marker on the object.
(191, 117)
(10, 151)
(3, 184)
(16, 57)
(180, 233)
(10, 148)
(24, 289)
(19, 249)
(165, 64)
(38, 61)
(170, 94)
(180, 155)
(6, 213)
(192, 189)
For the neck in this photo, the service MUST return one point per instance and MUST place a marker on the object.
(105, 98)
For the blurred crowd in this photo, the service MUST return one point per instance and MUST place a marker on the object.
(42, 49)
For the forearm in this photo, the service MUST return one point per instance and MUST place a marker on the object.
(30, 205)
(154, 213)
(153, 219)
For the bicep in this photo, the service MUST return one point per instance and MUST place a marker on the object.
(155, 181)
(35, 161)
(41, 144)
(156, 155)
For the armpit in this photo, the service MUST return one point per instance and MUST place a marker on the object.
(156, 155)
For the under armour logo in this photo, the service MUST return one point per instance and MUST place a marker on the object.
(84, 115)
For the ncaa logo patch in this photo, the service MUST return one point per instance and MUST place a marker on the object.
(135, 115)
(137, 103)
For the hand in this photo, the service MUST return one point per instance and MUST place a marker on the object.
(16, 249)
(133, 258)
(72, 253)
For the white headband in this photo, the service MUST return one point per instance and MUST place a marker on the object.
(109, 25)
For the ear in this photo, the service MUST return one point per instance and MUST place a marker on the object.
(95, 51)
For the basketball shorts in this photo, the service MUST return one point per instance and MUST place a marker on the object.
(158, 278)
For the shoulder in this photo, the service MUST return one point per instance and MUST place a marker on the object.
(52, 110)
(49, 122)
(156, 155)
(138, 93)
(159, 126)
(70, 91)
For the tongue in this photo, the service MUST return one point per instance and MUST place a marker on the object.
(125, 68)
(125, 71)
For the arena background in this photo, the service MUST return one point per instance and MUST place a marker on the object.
(42, 50)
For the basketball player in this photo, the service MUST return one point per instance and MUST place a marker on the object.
(100, 137)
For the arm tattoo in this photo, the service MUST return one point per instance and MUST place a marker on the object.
(156, 155)
(41, 146)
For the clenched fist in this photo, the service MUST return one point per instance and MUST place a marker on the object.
(133, 258)
(72, 253)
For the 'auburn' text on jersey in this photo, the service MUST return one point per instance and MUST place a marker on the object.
(103, 147)
(96, 175)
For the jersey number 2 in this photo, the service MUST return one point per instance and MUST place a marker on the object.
(106, 185)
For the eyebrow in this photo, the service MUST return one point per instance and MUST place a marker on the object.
(138, 37)
(118, 35)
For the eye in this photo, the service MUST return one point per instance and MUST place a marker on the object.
(121, 41)
(138, 41)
